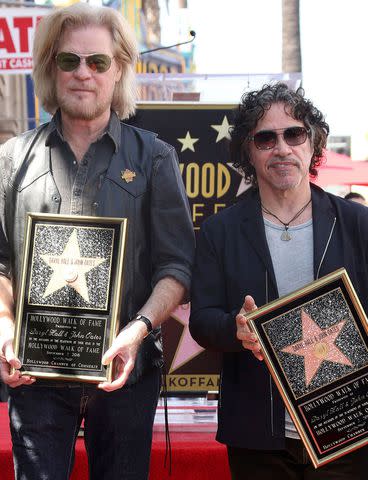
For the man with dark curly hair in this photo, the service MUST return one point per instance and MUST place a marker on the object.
(284, 233)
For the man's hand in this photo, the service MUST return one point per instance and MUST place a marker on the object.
(124, 350)
(243, 333)
(8, 361)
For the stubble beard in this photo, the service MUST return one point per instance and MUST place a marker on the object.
(289, 179)
(82, 110)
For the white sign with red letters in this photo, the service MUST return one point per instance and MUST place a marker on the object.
(17, 28)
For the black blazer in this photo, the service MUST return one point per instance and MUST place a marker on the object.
(233, 260)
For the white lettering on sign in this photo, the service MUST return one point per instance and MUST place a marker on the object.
(17, 28)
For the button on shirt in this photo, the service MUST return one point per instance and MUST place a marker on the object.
(78, 183)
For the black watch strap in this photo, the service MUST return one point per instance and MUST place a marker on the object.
(145, 320)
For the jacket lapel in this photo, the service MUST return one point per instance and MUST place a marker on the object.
(323, 223)
(32, 159)
(252, 227)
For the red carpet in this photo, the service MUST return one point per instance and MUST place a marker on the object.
(195, 456)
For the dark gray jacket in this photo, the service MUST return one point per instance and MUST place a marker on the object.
(160, 240)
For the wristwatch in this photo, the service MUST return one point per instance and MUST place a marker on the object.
(145, 320)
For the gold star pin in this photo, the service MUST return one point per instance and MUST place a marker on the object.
(128, 175)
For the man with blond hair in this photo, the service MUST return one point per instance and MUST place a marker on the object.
(84, 64)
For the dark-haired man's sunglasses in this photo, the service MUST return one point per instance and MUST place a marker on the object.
(267, 139)
(97, 62)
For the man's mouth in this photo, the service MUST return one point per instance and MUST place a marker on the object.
(283, 164)
(82, 90)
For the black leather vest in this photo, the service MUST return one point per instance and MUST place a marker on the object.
(32, 189)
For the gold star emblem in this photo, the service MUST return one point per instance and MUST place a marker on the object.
(128, 175)
(187, 142)
(223, 130)
(70, 268)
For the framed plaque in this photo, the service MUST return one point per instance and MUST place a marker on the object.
(315, 344)
(69, 296)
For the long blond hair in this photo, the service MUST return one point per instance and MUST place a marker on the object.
(45, 47)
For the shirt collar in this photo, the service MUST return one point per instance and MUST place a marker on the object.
(113, 130)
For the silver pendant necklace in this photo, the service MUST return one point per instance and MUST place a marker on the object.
(285, 236)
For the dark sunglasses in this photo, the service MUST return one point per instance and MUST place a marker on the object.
(267, 139)
(97, 62)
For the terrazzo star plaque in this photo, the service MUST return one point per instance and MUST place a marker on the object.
(315, 344)
(70, 295)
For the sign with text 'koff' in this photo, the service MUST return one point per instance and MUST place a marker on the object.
(17, 28)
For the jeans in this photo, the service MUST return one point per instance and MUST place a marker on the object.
(293, 463)
(45, 420)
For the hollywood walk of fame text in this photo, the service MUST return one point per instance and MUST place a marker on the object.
(60, 341)
(340, 416)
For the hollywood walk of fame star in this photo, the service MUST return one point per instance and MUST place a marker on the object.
(187, 347)
(317, 344)
(70, 268)
(222, 129)
(187, 142)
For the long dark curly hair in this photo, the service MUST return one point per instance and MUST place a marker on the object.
(253, 106)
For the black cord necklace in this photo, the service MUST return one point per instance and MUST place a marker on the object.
(285, 236)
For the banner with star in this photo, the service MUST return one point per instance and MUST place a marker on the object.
(70, 295)
(320, 363)
(200, 134)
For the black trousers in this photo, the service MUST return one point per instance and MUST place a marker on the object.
(293, 464)
(45, 420)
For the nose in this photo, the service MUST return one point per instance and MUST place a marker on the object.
(82, 71)
(281, 147)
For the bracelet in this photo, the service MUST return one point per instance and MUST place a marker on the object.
(145, 320)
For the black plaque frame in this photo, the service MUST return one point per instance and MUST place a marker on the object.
(69, 296)
(327, 399)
